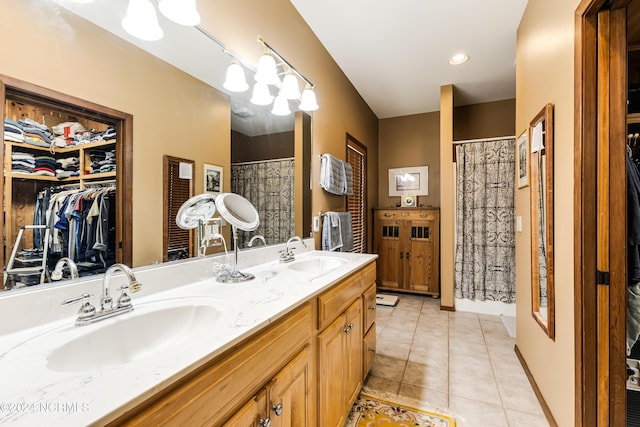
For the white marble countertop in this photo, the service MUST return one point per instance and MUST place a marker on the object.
(33, 393)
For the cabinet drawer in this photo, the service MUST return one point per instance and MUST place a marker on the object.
(334, 301)
(368, 350)
(212, 392)
(408, 214)
(369, 298)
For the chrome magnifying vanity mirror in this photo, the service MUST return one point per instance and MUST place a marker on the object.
(241, 214)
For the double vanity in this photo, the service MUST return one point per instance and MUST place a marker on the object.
(290, 347)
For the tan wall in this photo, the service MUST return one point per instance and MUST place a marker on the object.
(544, 73)
(484, 120)
(171, 108)
(405, 142)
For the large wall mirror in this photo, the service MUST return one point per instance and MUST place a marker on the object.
(542, 280)
(272, 150)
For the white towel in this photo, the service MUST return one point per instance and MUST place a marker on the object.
(348, 179)
(332, 174)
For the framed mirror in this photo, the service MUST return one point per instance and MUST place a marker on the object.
(541, 196)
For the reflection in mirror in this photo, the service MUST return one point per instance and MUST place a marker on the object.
(541, 195)
(183, 47)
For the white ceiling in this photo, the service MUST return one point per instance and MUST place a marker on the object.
(396, 53)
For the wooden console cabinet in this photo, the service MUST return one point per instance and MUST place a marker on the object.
(408, 245)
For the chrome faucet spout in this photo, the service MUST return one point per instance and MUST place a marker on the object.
(56, 274)
(257, 237)
(287, 255)
(106, 301)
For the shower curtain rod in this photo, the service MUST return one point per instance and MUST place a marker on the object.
(495, 138)
(262, 161)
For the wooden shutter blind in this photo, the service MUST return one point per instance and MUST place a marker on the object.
(178, 243)
(357, 203)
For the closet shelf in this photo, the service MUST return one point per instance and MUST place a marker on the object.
(99, 175)
(18, 175)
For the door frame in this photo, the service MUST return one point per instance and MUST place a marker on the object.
(599, 86)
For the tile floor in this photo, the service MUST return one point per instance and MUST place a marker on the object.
(463, 362)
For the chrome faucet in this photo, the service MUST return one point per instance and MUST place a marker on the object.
(88, 313)
(257, 237)
(56, 274)
(286, 255)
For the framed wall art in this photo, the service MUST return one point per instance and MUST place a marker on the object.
(411, 180)
(212, 179)
(522, 160)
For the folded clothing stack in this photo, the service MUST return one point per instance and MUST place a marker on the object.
(67, 167)
(45, 165)
(22, 162)
(15, 132)
(38, 134)
(102, 161)
(73, 133)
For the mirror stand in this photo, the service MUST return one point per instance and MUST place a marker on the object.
(235, 276)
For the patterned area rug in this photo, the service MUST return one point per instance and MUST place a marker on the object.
(370, 411)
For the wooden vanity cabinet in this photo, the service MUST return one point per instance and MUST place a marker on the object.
(369, 340)
(408, 246)
(340, 346)
(306, 369)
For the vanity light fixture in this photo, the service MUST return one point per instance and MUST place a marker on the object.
(235, 80)
(290, 87)
(141, 21)
(261, 94)
(267, 72)
(458, 59)
(281, 105)
(181, 12)
(308, 100)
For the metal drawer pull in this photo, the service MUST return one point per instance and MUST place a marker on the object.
(388, 215)
(348, 329)
(423, 215)
(277, 409)
(372, 350)
(373, 307)
(265, 423)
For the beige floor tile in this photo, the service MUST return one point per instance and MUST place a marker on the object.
(489, 318)
(383, 385)
(431, 397)
(522, 419)
(471, 413)
(395, 332)
(438, 346)
(439, 359)
(389, 368)
(391, 348)
(467, 335)
(431, 329)
(462, 364)
(473, 387)
(463, 346)
(519, 397)
(426, 376)
(405, 316)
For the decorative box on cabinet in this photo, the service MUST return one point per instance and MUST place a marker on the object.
(407, 243)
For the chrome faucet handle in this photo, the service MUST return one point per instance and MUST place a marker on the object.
(86, 309)
(125, 299)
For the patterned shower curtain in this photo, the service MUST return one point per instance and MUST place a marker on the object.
(269, 186)
(485, 240)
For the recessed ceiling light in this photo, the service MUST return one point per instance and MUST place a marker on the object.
(458, 59)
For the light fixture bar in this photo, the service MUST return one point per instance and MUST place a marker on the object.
(287, 63)
(225, 49)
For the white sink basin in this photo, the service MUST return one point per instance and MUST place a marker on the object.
(147, 330)
(317, 264)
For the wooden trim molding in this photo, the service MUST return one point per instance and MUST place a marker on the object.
(447, 308)
(545, 408)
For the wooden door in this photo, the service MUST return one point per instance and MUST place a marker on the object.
(388, 246)
(252, 414)
(419, 257)
(290, 394)
(330, 374)
(352, 352)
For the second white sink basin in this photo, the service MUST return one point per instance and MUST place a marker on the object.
(317, 264)
(148, 330)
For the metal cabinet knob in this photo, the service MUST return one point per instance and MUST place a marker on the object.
(265, 423)
(372, 350)
(373, 307)
(277, 409)
(388, 215)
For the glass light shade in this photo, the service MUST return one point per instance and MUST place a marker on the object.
(267, 72)
(290, 87)
(235, 80)
(181, 12)
(308, 100)
(281, 106)
(261, 94)
(141, 21)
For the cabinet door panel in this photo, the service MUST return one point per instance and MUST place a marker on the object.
(251, 413)
(353, 352)
(368, 351)
(330, 374)
(388, 246)
(420, 262)
(289, 393)
(369, 308)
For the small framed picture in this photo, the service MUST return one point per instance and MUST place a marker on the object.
(522, 160)
(212, 179)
